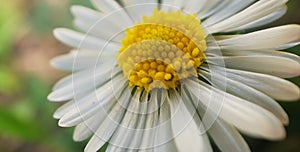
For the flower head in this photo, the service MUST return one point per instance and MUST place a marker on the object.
(162, 75)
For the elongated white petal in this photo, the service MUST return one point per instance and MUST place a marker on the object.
(93, 23)
(264, 39)
(241, 90)
(95, 101)
(163, 140)
(185, 124)
(78, 85)
(124, 135)
(92, 16)
(224, 135)
(274, 87)
(256, 11)
(139, 8)
(247, 117)
(79, 60)
(259, 53)
(263, 21)
(171, 5)
(195, 6)
(106, 6)
(62, 110)
(272, 65)
(211, 7)
(228, 10)
(227, 137)
(87, 128)
(106, 129)
(82, 41)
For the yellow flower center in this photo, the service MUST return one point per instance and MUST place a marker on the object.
(164, 49)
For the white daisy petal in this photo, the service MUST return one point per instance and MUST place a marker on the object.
(106, 6)
(171, 5)
(195, 6)
(62, 110)
(247, 117)
(163, 140)
(77, 60)
(264, 39)
(92, 16)
(101, 99)
(277, 66)
(259, 53)
(107, 128)
(78, 85)
(224, 135)
(231, 8)
(256, 11)
(93, 23)
(274, 87)
(210, 8)
(82, 41)
(227, 137)
(88, 127)
(286, 46)
(123, 136)
(139, 8)
(185, 124)
(147, 141)
(241, 90)
(263, 21)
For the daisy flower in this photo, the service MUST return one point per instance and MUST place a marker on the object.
(175, 75)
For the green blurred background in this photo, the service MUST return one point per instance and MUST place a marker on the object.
(27, 45)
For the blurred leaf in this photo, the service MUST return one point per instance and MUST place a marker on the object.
(9, 18)
(8, 81)
(12, 124)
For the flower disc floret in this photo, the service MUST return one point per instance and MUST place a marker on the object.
(164, 49)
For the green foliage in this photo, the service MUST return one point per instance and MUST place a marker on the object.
(8, 81)
(9, 19)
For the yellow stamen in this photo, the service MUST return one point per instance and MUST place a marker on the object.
(162, 50)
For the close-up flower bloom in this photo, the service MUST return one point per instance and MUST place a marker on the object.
(176, 75)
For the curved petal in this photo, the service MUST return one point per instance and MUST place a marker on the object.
(247, 117)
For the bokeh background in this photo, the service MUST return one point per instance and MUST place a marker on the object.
(27, 45)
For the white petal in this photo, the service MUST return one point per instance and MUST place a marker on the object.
(100, 99)
(272, 65)
(247, 117)
(62, 110)
(256, 11)
(106, 6)
(224, 135)
(228, 10)
(211, 7)
(169, 5)
(106, 129)
(139, 8)
(227, 137)
(163, 140)
(258, 53)
(264, 20)
(124, 135)
(79, 85)
(87, 128)
(274, 87)
(93, 23)
(185, 126)
(241, 90)
(264, 39)
(82, 41)
(79, 60)
(195, 6)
